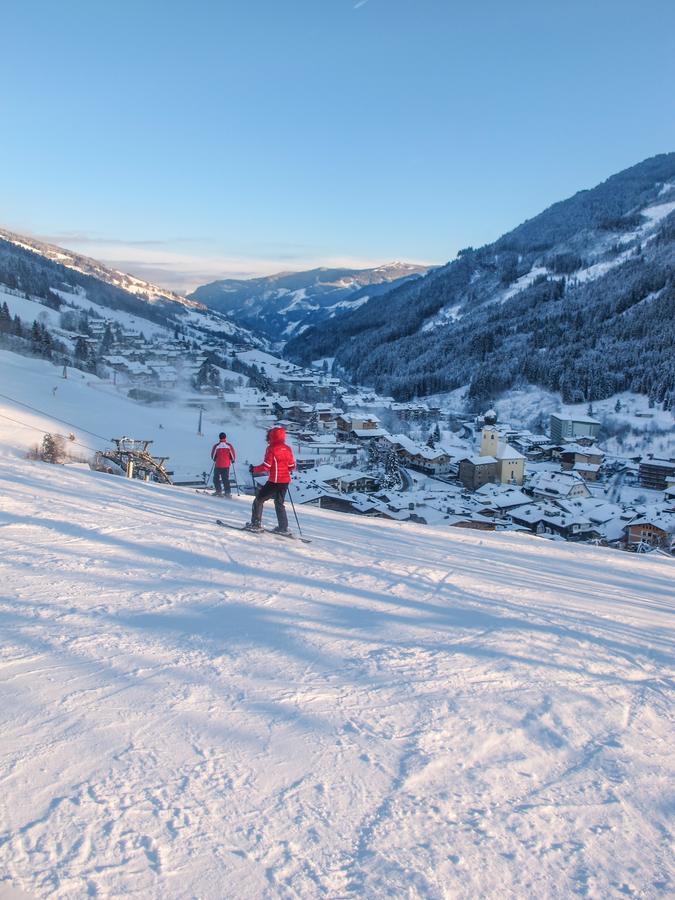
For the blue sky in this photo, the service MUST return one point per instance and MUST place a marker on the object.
(182, 141)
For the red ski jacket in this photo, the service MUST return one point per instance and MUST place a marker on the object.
(279, 461)
(223, 454)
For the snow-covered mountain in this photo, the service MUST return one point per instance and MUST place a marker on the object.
(579, 299)
(389, 711)
(286, 304)
(50, 272)
(86, 266)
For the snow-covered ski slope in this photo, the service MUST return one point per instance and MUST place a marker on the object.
(390, 711)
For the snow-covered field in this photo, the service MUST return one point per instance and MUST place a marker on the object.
(189, 712)
(95, 411)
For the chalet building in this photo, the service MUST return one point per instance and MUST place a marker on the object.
(657, 530)
(656, 474)
(292, 410)
(499, 499)
(535, 447)
(573, 455)
(474, 521)
(411, 412)
(351, 504)
(429, 460)
(569, 428)
(510, 462)
(549, 519)
(358, 428)
(326, 412)
(558, 485)
(475, 471)
(587, 471)
(357, 482)
(316, 451)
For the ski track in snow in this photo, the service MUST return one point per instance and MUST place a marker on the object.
(392, 711)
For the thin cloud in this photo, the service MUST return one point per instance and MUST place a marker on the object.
(66, 238)
(359, 3)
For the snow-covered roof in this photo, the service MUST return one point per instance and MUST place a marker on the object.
(327, 473)
(655, 461)
(662, 520)
(368, 432)
(556, 484)
(577, 419)
(581, 450)
(501, 496)
(480, 460)
(506, 451)
(415, 449)
(349, 476)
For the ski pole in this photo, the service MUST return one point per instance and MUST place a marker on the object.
(208, 477)
(297, 521)
(236, 482)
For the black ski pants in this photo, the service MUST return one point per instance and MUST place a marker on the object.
(221, 480)
(269, 491)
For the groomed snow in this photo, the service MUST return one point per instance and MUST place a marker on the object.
(390, 711)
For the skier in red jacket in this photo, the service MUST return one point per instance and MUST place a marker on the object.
(223, 456)
(278, 464)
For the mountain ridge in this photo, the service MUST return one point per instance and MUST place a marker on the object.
(286, 303)
(52, 273)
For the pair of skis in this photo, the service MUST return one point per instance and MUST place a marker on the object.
(264, 531)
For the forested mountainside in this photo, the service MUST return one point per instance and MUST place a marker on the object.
(286, 304)
(37, 268)
(56, 275)
(579, 299)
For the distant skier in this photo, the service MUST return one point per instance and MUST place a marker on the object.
(278, 464)
(223, 456)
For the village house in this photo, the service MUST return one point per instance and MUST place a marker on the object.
(535, 447)
(558, 485)
(411, 412)
(475, 471)
(162, 375)
(355, 427)
(656, 473)
(655, 529)
(352, 503)
(587, 471)
(420, 457)
(292, 410)
(573, 455)
(544, 518)
(357, 482)
(314, 450)
(326, 413)
(498, 499)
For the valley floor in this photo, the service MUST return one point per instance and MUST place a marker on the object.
(188, 712)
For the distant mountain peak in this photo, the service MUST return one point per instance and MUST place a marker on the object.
(286, 303)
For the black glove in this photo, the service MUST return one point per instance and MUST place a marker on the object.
(250, 468)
